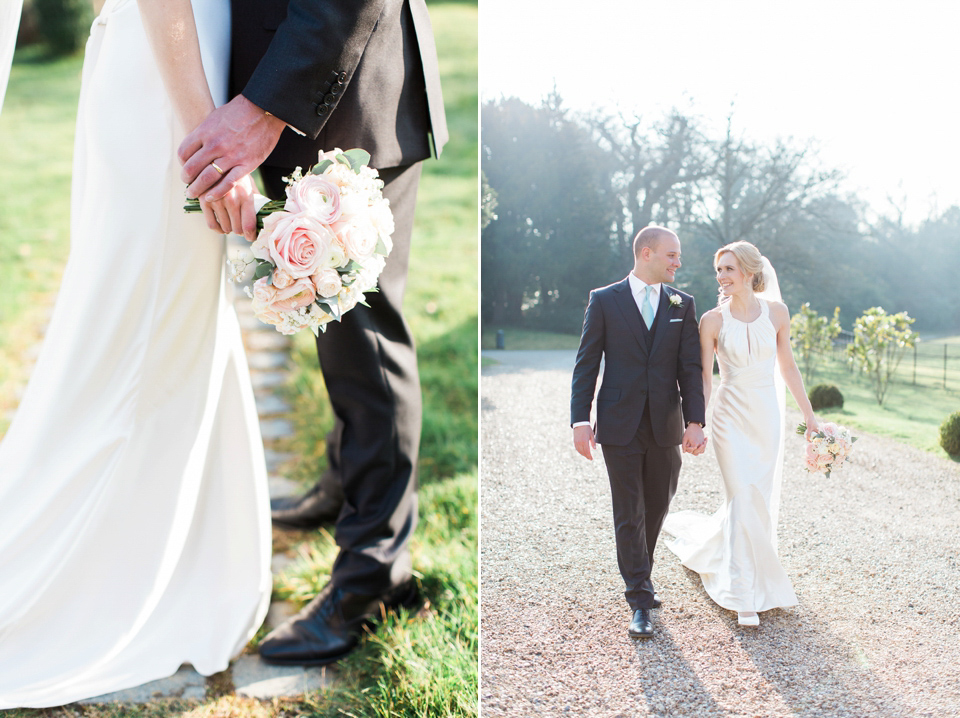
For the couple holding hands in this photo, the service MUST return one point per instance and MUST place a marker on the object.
(657, 378)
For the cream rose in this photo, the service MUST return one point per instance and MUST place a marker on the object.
(328, 282)
(359, 237)
(281, 279)
(295, 243)
(316, 195)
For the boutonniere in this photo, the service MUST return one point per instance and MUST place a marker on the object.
(676, 301)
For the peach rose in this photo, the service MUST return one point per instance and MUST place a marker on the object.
(295, 243)
(299, 294)
(316, 195)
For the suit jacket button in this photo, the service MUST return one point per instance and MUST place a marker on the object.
(322, 110)
(336, 89)
(329, 99)
(342, 77)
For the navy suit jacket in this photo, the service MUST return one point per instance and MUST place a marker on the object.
(347, 73)
(662, 370)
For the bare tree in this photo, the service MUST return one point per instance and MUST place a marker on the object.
(659, 166)
(752, 188)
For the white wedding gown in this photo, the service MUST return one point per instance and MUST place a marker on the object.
(134, 516)
(735, 549)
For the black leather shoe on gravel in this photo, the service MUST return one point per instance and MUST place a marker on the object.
(641, 626)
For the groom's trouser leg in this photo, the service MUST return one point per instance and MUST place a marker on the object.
(370, 369)
(643, 480)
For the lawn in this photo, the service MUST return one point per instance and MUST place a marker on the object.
(415, 665)
(910, 413)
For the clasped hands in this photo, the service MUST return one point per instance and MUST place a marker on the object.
(694, 440)
(218, 157)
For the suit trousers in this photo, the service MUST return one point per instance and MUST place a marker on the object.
(369, 366)
(643, 479)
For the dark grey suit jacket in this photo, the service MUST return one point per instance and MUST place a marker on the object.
(347, 73)
(662, 370)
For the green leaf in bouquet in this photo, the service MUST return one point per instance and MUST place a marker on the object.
(264, 269)
(357, 158)
(381, 247)
(331, 305)
(352, 266)
(192, 205)
(321, 167)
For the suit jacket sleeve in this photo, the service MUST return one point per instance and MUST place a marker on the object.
(311, 60)
(689, 371)
(587, 368)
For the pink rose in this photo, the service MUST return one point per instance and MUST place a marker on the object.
(299, 294)
(830, 429)
(295, 243)
(317, 196)
(824, 460)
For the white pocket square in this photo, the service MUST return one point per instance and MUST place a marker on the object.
(677, 320)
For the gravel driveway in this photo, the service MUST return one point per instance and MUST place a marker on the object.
(873, 552)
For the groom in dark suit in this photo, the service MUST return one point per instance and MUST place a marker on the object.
(318, 74)
(650, 402)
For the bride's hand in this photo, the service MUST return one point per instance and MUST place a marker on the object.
(234, 212)
(813, 426)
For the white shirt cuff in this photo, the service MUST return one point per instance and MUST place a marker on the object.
(581, 423)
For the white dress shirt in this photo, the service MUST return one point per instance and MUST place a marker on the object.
(637, 286)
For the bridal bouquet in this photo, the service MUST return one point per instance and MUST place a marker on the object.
(323, 248)
(828, 448)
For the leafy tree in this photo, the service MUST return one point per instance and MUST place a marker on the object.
(64, 24)
(552, 239)
(879, 343)
(812, 336)
(488, 202)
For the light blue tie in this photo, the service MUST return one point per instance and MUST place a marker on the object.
(646, 309)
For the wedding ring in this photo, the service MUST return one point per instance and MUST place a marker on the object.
(216, 167)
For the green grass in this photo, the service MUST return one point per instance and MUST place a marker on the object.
(911, 414)
(424, 664)
(36, 151)
(528, 339)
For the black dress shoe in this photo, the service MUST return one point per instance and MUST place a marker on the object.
(641, 626)
(329, 627)
(320, 505)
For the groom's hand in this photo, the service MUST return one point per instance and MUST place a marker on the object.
(235, 138)
(583, 440)
(694, 441)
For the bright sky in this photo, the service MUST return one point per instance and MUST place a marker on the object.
(875, 83)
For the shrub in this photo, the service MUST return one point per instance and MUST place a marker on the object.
(950, 434)
(64, 24)
(825, 396)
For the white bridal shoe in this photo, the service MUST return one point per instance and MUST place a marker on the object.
(748, 618)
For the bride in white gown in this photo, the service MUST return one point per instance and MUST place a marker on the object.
(735, 549)
(134, 517)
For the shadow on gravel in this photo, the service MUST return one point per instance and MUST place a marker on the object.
(810, 668)
(671, 686)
